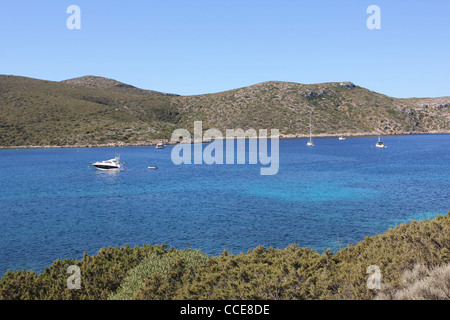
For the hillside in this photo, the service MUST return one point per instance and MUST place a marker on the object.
(36, 112)
(288, 106)
(97, 111)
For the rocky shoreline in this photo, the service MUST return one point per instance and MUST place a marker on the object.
(154, 142)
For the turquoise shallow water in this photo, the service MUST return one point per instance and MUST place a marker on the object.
(53, 206)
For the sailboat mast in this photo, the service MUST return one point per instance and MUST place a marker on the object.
(310, 143)
(310, 129)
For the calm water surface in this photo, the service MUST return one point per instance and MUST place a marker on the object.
(53, 206)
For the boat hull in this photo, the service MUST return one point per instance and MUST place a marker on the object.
(103, 167)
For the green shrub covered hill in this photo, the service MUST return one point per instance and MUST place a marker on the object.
(95, 111)
(413, 260)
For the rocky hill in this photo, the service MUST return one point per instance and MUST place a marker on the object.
(99, 111)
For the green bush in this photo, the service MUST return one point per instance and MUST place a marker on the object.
(166, 269)
(100, 275)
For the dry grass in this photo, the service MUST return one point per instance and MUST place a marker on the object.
(421, 283)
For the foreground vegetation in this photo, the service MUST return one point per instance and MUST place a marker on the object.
(413, 259)
(98, 111)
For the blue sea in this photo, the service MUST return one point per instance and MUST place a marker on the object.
(54, 204)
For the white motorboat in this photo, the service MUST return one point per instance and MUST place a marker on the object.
(153, 168)
(160, 145)
(112, 164)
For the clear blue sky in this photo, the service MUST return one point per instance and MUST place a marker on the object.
(204, 46)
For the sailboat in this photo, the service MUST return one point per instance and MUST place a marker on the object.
(380, 144)
(310, 142)
(341, 137)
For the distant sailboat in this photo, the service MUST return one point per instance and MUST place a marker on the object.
(380, 144)
(310, 142)
(341, 137)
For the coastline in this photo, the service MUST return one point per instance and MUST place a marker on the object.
(154, 142)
